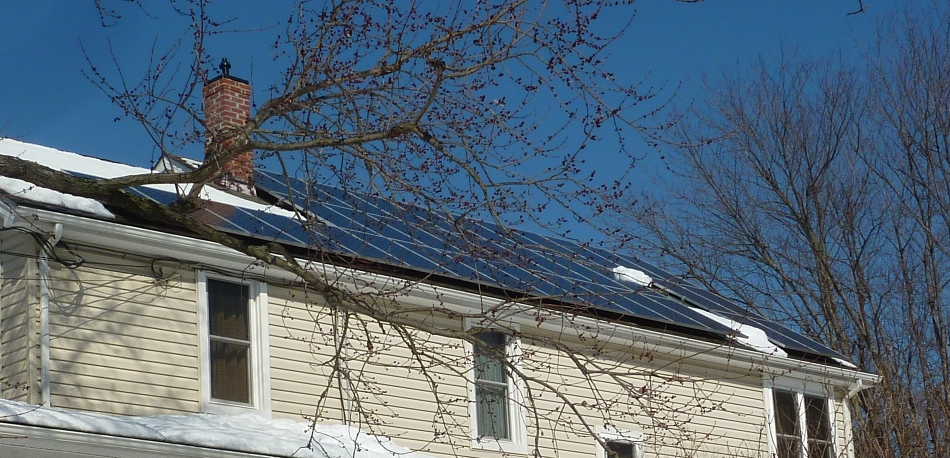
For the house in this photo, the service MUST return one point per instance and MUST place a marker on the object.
(472, 340)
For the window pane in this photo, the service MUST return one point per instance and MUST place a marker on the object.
(820, 450)
(227, 309)
(620, 449)
(816, 416)
(818, 426)
(789, 447)
(786, 413)
(492, 411)
(487, 367)
(229, 372)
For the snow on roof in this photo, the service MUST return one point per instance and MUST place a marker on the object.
(844, 363)
(754, 337)
(244, 433)
(627, 274)
(71, 162)
(25, 190)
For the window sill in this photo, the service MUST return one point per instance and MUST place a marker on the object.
(500, 445)
(232, 408)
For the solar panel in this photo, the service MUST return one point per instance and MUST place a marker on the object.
(484, 252)
(788, 339)
(593, 269)
(374, 229)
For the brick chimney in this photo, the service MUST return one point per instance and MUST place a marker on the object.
(227, 103)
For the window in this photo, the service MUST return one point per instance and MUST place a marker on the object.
(496, 397)
(622, 449)
(491, 387)
(621, 444)
(233, 345)
(230, 341)
(794, 410)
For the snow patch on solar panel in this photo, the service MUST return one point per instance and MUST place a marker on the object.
(751, 336)
(629, 275)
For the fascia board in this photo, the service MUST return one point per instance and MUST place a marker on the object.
(150, 242)
(18, 440)
(146, 241)
(674, 346)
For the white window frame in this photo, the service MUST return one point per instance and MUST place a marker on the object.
(611, 434)
(258, 360)
(799, 389)
(518, 443)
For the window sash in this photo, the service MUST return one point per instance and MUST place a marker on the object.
(228, 309)
(492, 411)
(230, 371)
(818, 428)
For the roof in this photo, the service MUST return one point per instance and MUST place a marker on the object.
(405, 240)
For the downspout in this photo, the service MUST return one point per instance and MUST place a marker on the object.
(44, 312)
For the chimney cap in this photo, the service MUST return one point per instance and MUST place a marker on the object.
(225, 68)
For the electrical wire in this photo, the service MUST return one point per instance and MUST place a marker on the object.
(43, 240)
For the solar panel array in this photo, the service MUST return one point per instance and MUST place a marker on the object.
(522, 264)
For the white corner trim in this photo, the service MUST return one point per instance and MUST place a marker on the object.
(45, 286)
(769, 404)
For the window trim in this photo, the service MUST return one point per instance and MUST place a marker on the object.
(258, 360)
(516, 418)
(612, 434)
(799, 389)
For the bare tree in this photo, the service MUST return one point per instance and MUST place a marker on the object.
(817, 191)
(466, 109)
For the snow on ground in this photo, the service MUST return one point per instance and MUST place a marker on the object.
(755, 337)
(244, 433)
(76, 163)
(632, 275)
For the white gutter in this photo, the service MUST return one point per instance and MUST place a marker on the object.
(713, 354)
(45, 282)
(150, 242)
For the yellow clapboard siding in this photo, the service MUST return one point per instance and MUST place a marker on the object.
(133, 349)
(185, 367)
(110, 401)
(123, 335)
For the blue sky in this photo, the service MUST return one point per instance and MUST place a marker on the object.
(46, 100)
